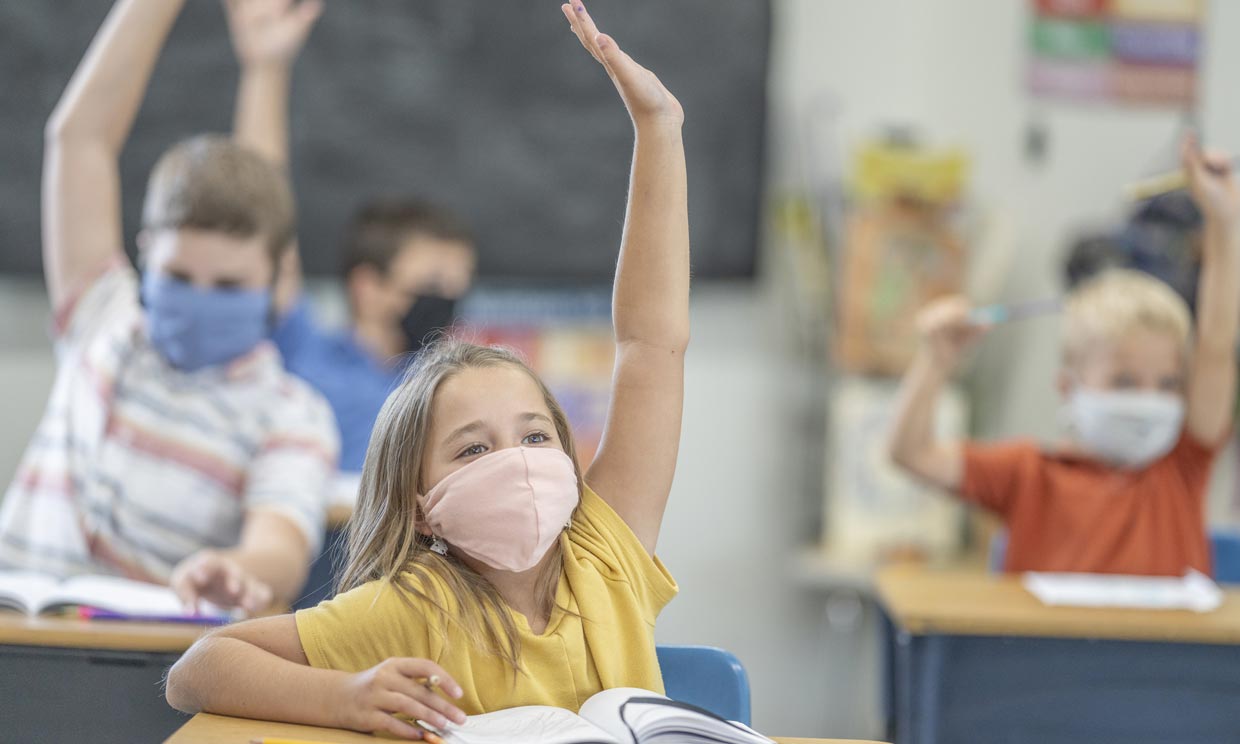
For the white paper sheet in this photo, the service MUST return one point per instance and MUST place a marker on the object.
(1193, 591)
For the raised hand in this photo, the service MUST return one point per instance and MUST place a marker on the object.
(647, 100)
(1212, 183)
(947, 330)
(270, 32)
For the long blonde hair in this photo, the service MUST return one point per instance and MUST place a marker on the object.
(384, 543)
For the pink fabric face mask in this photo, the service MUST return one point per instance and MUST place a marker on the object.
(506, 508)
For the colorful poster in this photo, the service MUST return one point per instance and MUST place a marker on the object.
(566, 337)
(1142, 52)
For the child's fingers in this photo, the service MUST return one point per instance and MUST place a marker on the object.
(382, 722)
(575, 24)
(308, 11)
(444, 710)
(417, 710)
(618, 62)
(1216, 163)
(419, 669)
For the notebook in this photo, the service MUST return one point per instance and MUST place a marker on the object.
(1193, 591)
(623, 715)
(38, 594)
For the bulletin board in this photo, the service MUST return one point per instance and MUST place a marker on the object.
(1125, 52)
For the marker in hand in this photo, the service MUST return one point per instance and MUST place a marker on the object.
(995, 314)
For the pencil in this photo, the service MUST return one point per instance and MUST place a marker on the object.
(1162, 183)
(269, 740)
(431, 737)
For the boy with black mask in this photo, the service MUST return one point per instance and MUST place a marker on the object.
(406, 262)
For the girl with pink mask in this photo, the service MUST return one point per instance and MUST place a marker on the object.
(485, 569)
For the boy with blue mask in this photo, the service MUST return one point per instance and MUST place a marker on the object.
(406, 261)
(175, 449)
(1146, 406)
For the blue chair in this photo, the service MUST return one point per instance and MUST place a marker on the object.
(1225, 547)
(1224, 550)
(707, 677)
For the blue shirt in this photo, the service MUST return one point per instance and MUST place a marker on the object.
(353, 380)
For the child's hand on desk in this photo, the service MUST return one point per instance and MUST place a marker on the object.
(1212, 184)
(371, 699)
(645, 97)
(216, 578)
(948, 330)
(270, 32)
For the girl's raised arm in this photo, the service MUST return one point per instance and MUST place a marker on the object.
(650, 304)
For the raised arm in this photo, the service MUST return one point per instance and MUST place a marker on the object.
(267, 36)
(650, 305)
(83, 142)
(914, 445)
(1212, 377)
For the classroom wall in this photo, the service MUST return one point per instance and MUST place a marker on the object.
(953, 67)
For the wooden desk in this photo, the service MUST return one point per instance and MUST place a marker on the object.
(976, 652)
(97, 681)
(209, 729)
(52, 632)
(976, 603)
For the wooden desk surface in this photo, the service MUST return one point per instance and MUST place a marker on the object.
(927, 602)
(19, 630)
(205, 728)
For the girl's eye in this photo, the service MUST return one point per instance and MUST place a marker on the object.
(536, 438)
(471, 450)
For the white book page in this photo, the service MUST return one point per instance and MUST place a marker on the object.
(603, 710)
(115, 594)
(661, 723)
(1193, 591)
(530, 724)
(25, 590)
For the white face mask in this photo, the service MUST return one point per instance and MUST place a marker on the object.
(1131, 429)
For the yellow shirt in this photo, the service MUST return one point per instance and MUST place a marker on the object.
(609, 579)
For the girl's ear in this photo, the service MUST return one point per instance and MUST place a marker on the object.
(419, 520)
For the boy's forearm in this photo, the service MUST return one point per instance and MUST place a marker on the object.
(650, 303)
(106, 91)
(229, 676)
(283, 568)
(261, 118)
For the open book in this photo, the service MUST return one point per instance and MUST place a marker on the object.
(36, 594)
(623, 715)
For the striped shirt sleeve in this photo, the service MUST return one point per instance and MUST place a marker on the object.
(293, 471)
(110, 302)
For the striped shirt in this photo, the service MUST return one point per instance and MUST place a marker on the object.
(137, 465)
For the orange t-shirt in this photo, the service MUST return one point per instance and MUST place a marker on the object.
(1066, 513)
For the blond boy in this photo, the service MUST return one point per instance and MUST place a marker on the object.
(174, 449)
(1146, 407)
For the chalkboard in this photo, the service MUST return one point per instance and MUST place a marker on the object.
(490, 107)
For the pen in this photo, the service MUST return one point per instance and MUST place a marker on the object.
(994, 314)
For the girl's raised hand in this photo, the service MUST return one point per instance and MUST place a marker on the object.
(372, 699)
(647, 100)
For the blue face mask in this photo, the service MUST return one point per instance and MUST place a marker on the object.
(194, 328)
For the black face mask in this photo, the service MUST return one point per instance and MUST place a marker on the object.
(428, 313)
